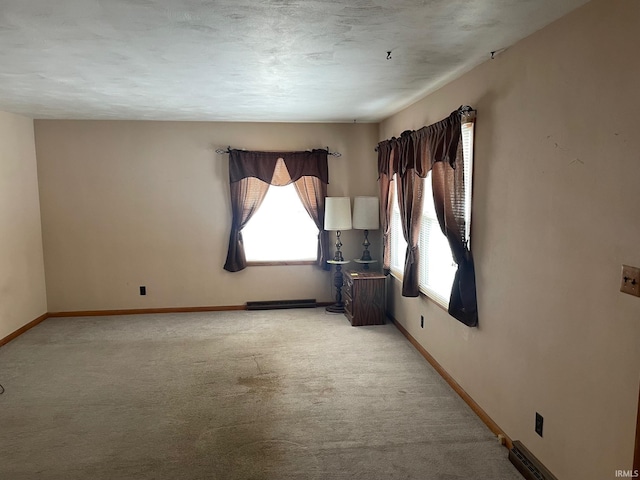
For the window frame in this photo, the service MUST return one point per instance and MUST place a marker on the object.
(284, 234)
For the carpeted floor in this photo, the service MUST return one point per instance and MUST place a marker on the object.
(290, 394)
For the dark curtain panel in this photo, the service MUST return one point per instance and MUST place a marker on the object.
(441, 148)
(386, 171)
(409, 194)
(251, 173)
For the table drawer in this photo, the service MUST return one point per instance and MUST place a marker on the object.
(347, 287)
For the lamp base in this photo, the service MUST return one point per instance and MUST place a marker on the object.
(335, 308)
(338, 281)
(365, 263)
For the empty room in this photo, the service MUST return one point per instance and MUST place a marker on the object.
(314, 239)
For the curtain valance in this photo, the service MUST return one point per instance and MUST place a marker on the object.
(420, 149)
(436, 143)
(262, 165)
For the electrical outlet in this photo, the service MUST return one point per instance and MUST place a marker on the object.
(630, 282)
(539, 423)
(143, 290)
(421, 321)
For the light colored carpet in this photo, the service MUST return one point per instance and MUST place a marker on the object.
(290, 394)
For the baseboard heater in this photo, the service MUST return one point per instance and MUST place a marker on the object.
(527, 464)
(280, 304)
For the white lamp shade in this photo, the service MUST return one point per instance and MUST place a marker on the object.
(366, 215)
(337, 213)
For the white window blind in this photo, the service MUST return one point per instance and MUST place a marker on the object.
(398, 243)
(468, 130)
(437, 268)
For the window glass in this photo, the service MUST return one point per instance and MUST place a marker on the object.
(437, 267)
(398, 243)
(281, 230)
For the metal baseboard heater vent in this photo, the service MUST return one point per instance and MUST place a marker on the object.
(527, 464)
(281, 304)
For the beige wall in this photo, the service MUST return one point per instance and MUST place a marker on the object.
(126, 204)
(22, 284)
(555, 215)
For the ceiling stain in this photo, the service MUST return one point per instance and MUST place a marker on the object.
(246, 60)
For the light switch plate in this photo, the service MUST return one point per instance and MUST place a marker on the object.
(630, 280)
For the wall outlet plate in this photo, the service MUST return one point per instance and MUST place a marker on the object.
(630, 282)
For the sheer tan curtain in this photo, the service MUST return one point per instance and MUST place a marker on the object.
(246, 196)
(312, 192)
(251, 174)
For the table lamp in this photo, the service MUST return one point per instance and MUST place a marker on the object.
(337, 217)
(366, 216)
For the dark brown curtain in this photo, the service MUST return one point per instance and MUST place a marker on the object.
(251, 173)
(409, 194)
(438, 148)
(386, 170)
(243, 164)
(443, 150)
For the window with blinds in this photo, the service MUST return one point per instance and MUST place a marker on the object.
(398, 243)
(437, 268)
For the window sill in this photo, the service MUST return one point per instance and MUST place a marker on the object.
(436, 300)
(432, 297)
(281, 263)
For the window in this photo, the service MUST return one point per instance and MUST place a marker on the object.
(281, 230)
(437, 268)
(398, 243)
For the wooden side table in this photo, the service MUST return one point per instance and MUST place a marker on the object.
(364, 297)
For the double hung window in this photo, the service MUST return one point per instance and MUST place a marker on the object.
(436, 267)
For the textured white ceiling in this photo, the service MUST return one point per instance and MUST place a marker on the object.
(247, 60)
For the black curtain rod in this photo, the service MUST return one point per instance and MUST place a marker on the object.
(462, 110)
(466, 109)
(222, 151)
